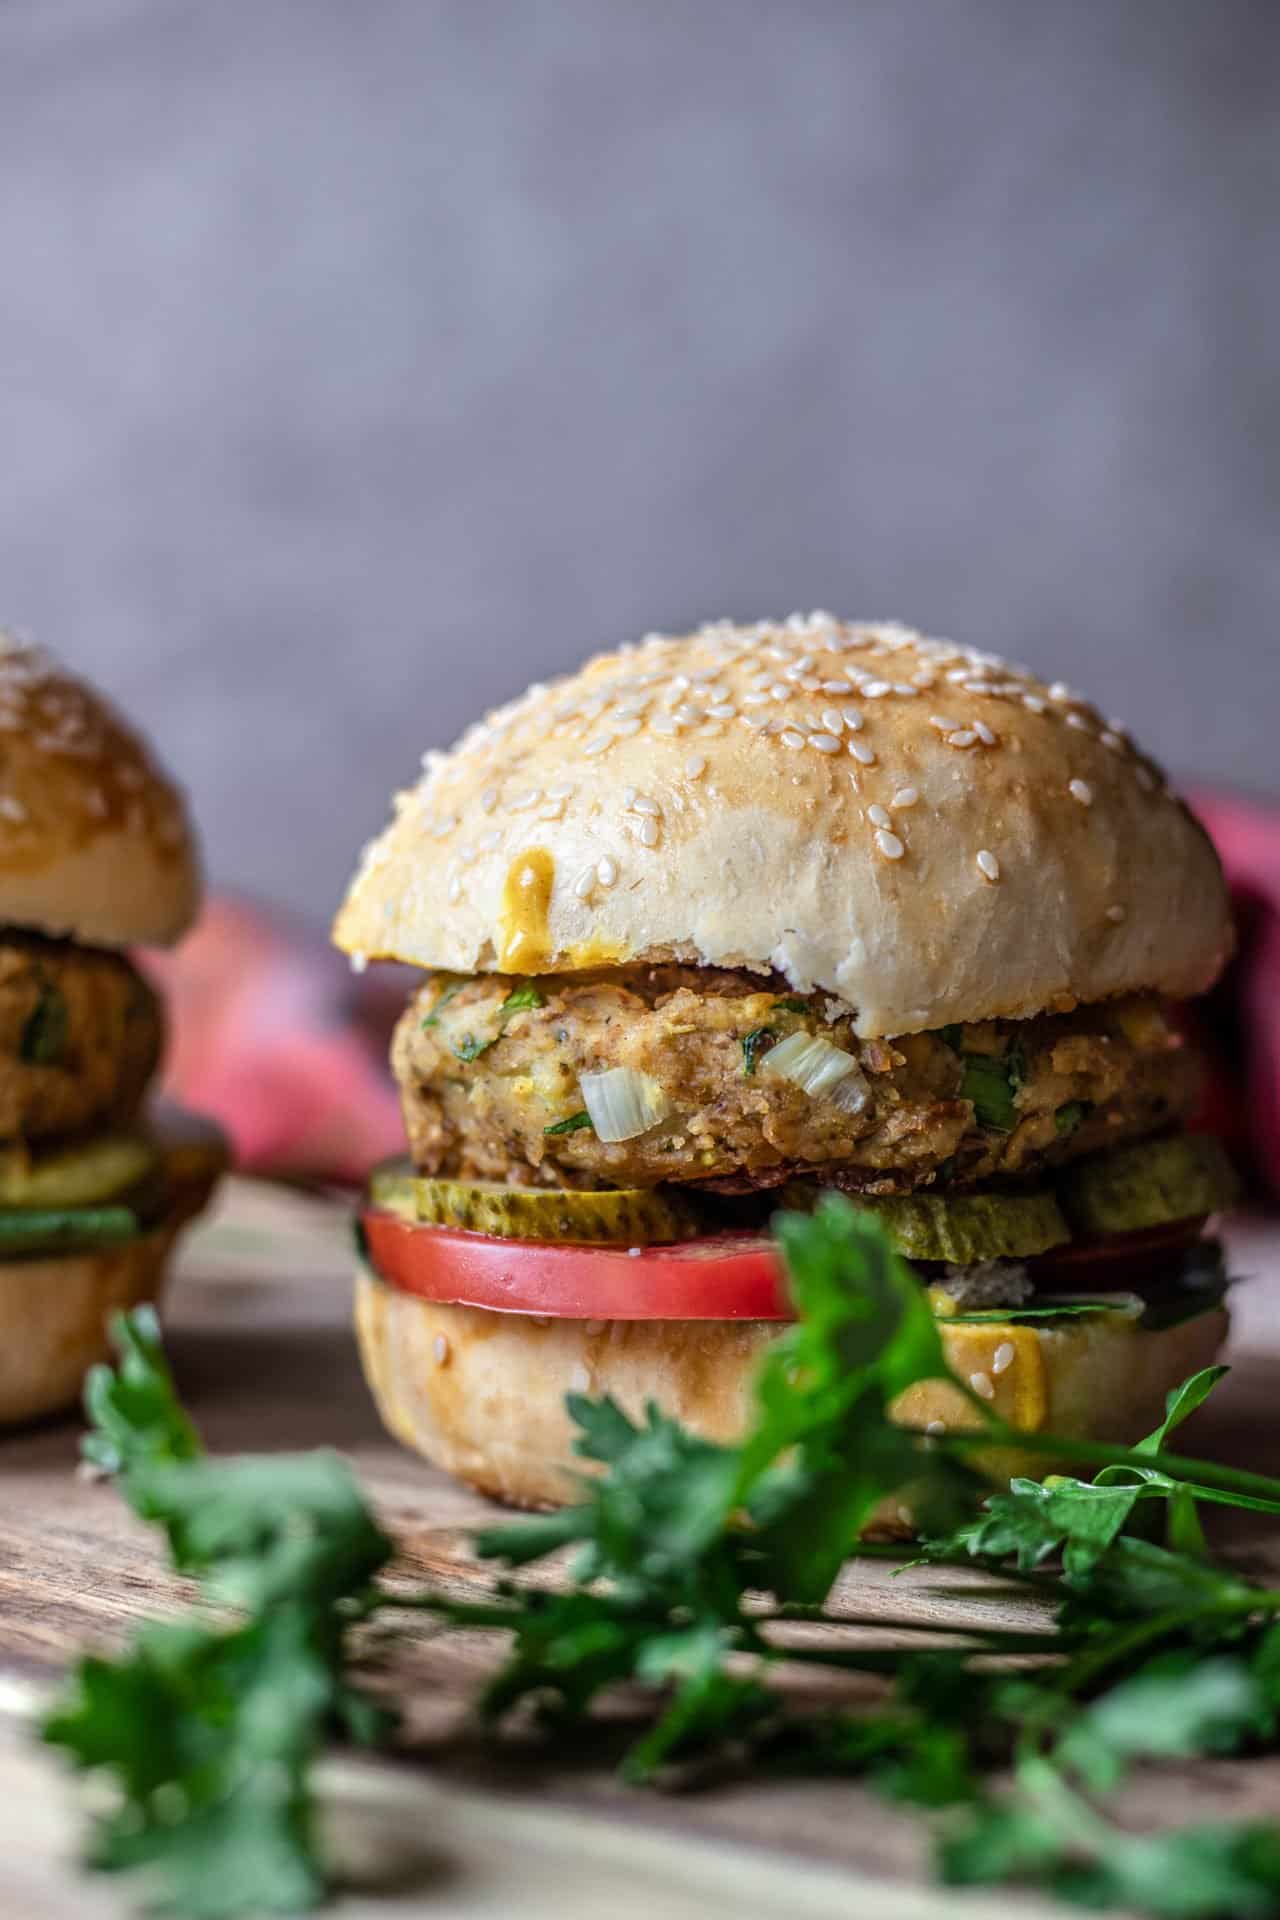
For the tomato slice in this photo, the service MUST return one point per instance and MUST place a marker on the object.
(730, 1276)
(721, 1277)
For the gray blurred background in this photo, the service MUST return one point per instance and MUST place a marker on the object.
(363, 359)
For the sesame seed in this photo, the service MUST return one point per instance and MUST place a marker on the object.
(1079, 722)
(988, 866)
(488, 800)
(12, 809)
(983, 1385)
(1003, 1358)
(832, 719)
(853, 720)
(641, 803)
(760, 698)
(792, 739)
(1033, 703)
(1116, 914)
(984, 733)
(1112, 740)
(889, 844)
(936, 1426)
(633, 1253)
(878, 817)
(584, 885)
(1060, 691)
(359, 962)
(758, 722)
(664, 725)
(648, 832)
(687, 715)
(862, 753)
(598, 745)
(824, 742)
(695, 766)
(833, 686)
(940, 723)
(606, 871)
(876, 689)
(905, 797)
(579, 1379)
(723, 710)
(626, 728)
(780, 691)
(440, 1348)
(1081, 790)
(455, 891)
(964, 737)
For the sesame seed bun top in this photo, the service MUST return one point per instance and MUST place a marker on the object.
(913, 826)
(95, 844)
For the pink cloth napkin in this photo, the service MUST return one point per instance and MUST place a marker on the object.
(273, 1036)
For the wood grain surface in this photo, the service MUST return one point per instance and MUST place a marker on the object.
(258, 1332)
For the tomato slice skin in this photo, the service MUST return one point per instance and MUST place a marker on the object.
(732, 1276)
(721, 1277)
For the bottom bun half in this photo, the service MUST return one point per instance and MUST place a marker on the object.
(482, 1393)
(55, 1311)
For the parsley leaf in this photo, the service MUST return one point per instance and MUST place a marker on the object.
(210, 1731)
(752, 1044)
(448, 993)
(46, 1030)
(517, 1001)
(991, 1083)
(1070, 1117)
(574, 1124)
(520, 999)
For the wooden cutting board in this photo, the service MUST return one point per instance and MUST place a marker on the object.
(259, 1336)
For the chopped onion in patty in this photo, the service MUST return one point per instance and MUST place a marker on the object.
(623, 1103)
(818, 1069)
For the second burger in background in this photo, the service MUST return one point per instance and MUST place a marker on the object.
(96, 857)
(729, 919)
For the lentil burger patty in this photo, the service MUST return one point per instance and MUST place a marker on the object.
(489, 1068)
(80, 1037)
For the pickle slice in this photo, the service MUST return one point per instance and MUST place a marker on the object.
(78, 1176)
(64, 1229)
(959, 1228)
(1148, 1184)
(967, 1227)
(636, 1217)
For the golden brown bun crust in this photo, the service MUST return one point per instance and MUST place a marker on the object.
(54, 1312)
(95, 843)
(482, 1393)
(917, 828)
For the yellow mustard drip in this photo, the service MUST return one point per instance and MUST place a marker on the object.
(971, 1350)
(524, 937)
(1030, 1402)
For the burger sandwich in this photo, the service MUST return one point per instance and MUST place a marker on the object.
(724, 921)
(96, 857)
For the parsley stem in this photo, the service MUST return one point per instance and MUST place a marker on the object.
(1257, 1491)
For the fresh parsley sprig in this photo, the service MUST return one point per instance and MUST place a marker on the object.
(211, 1730)
(691, 1563)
